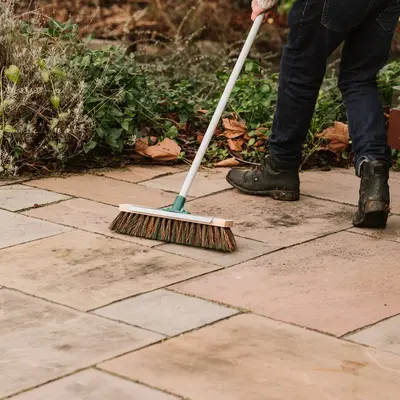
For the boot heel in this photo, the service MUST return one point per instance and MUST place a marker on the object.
(375, 215)
(286, 195)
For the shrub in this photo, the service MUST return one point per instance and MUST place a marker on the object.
(42, 114)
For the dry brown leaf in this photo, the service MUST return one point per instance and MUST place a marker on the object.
(339, 132)
(236, 145)
(167, 150)
(229, 162)
(338, 136)
(233, 128)
(141, 145)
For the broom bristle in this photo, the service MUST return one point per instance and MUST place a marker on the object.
(175, 231)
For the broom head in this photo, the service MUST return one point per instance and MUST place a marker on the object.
(175, 227)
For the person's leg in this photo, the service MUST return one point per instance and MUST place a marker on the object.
(303, 67)
(365, 52)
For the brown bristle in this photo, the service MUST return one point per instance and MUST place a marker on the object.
(175, 231)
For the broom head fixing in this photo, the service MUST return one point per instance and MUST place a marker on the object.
(175, 227)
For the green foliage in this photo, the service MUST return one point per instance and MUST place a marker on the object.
(59, 100)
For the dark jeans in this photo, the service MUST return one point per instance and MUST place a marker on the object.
(318, 27)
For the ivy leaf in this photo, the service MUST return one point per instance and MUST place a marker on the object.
(125, 124)
(89, 146)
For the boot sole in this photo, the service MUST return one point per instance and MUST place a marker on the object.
(375, 216)
(276, 194)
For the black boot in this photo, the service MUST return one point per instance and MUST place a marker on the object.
(267, 180)
(374, 204)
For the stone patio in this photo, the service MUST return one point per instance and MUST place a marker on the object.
(307, 308)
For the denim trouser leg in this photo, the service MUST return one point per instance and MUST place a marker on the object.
(317, 29)
(365, 52)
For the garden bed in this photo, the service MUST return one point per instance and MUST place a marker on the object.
(66, 106)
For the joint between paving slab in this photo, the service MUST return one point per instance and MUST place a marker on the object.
(363, 328)
(167, 338)
(35, 207)
(386, 239)
(88, 312)
(138, 382)
(45, 383)
(110, 236)
(251, 259)
(38, 239)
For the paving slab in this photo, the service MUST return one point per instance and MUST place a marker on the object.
(16, 229)
(392, 231)
(105, 190)
(20, 197)
(206, 182)
(40, 341)
(384, 335)
(341, 187)
(136, 173)
(251, 357)
(331, 185)
(86, 215)
(278, 224)
(92, 384)
(166, 312)
(86, 271)
(335, 284)
(247, 250)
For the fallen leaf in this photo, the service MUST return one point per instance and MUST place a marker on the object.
(338, 137)
(141, 145)
(229, 162)
(167, 150)
(236, 145)
(199, 138)
(233, 128)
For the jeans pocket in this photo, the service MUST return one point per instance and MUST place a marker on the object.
(343, 15)
(389, 18)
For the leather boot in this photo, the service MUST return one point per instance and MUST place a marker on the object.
(374, 203)
(267, 180)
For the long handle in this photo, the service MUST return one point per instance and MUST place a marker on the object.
(221, 106)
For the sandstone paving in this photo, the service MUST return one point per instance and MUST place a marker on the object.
(105, 190)
(41, 341)
(342, 187)
(247, 250)
(16, 229)
(19, 197)
(384, 335)
(166, 312)
(335, 284)
(278, 224)
(206, 182)
(391, 232)
(86, 215)
(137, 173)
(86, 271)
(92, 384)
(254, 358)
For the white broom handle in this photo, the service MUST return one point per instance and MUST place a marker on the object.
(221, 106)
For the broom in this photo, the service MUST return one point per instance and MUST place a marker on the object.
(174, 224)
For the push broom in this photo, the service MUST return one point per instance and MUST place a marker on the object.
(174, 224)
